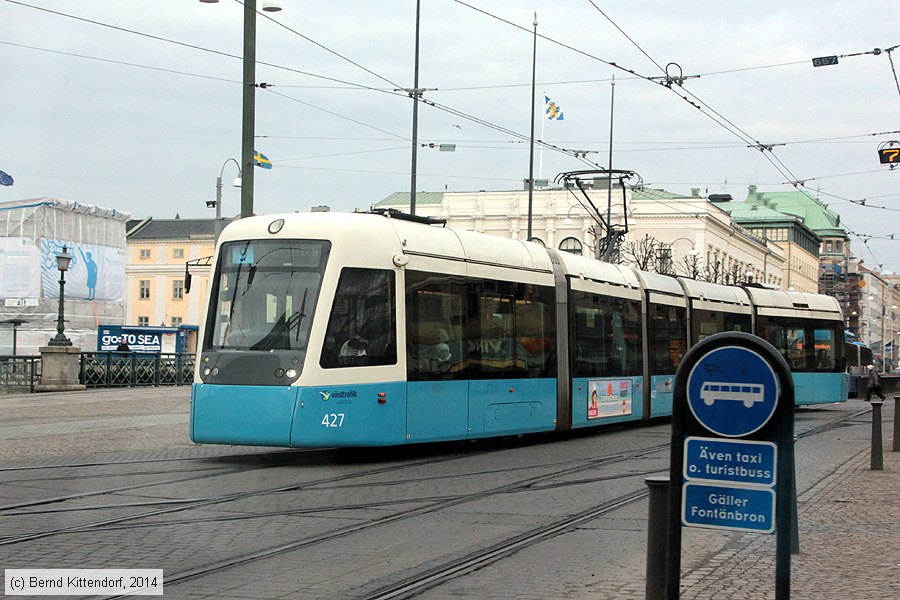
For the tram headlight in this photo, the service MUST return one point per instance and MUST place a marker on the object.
(279, 373)
(292, 373)
(206, 371)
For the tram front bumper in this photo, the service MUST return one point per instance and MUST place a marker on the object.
(244, 415)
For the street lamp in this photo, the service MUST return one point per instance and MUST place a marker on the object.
(218, 201)
(248, 119)
(62, 263)
(15, 325)
(568, 220)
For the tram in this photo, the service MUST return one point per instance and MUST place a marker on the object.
(372, 329)
(858, 357)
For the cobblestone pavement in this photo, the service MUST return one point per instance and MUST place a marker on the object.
(849, 543)
(849, 515)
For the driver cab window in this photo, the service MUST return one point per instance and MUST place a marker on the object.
(362, 326)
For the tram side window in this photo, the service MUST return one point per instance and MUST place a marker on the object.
(536, 330)
(707, 322)
(668, 338)
(789, 339)
(510, 330)
(435, 316)
(362, 327)
(828, 351)
(490, 331)
(607, 336)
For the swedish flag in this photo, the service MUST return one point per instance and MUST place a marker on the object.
(552, 110)
(261, 160)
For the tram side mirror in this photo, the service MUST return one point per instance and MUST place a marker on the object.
(187, 280)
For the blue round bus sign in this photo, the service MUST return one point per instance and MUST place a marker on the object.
(732, 391)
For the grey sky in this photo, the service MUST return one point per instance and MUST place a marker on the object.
(152, 142)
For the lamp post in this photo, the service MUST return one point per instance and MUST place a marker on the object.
(248, 119)
(531, 142)
(62, 263)
(666, 256)
(238, 182)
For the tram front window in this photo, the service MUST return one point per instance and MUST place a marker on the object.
(265, 294)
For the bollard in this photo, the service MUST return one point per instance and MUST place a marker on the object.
(657, 537)
(896, 447)
(877, 462)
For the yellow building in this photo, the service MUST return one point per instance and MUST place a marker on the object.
(157, 250)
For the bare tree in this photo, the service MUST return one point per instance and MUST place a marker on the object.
(734, 275)
(641, 254)
(714, 271)
(690, 266)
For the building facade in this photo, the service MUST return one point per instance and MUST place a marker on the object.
(690, 235)
(32, 233)
(799, 244)
(157, 250)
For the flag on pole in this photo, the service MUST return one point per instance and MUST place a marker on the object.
(5, 179)
(261, 160)
(552, 110)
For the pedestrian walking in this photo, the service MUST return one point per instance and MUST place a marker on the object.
(873, 381)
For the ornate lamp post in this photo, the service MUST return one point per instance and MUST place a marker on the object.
(62, 263)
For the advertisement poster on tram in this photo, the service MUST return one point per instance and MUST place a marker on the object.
(608, 398)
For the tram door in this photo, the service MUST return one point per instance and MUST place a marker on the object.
(437, 388)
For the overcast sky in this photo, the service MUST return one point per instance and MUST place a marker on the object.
(151, 139)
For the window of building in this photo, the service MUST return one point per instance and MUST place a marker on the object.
(538, 240)
(145, 253)
(571, 245)
(144, 289)
(177, 252)
(178, 289)
(143, 321)
(829, 246)
(838, 246)
(177, 321)
(362, 327)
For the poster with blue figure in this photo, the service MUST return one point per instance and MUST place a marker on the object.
(96, 273)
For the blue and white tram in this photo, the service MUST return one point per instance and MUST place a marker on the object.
(331, 329)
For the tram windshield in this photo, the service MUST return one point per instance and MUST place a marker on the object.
(265, 294)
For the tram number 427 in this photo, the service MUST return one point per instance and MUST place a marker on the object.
(333, 420)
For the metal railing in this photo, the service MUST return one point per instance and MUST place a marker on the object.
(133, 369)
(19, 373)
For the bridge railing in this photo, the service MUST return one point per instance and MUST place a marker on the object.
(19, 373)
(134, 369)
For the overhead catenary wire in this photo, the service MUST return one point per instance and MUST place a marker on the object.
(268, 86)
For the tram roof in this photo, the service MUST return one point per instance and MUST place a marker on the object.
(664, 284)
(591, 268)
(704, 290)
(375, 233)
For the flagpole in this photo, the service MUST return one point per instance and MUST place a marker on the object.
(531, 152)
(543, 122)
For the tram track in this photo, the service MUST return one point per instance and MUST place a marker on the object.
(153, 460)
(191, 504)
(481, 557)
(460, 566)
(484, 556)
(431, 507)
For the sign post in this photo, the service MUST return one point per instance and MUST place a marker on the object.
(732, 447)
